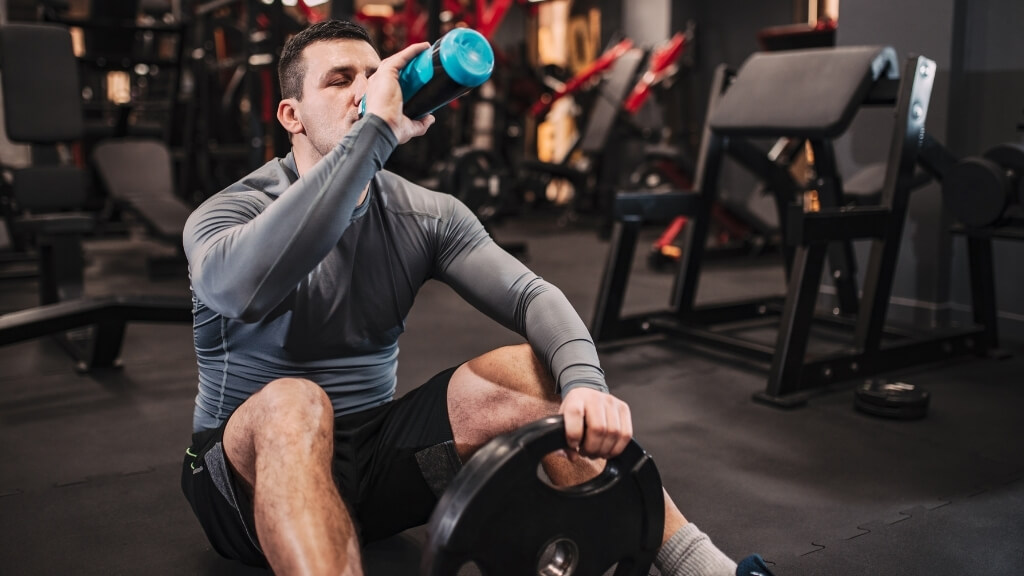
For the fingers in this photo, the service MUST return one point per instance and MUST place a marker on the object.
(384, 95)
(572, 414)
(399, 59)
(420, 125)
(598, 425)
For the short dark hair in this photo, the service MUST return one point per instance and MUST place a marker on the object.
(291, 70)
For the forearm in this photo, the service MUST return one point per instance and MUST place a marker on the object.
(500, 286)
(243, 268)
(560, 338)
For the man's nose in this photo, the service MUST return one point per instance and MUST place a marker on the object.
(359, 86)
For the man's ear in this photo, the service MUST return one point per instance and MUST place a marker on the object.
(288, 116)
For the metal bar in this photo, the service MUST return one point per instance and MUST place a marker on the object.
(54, 318)
(841, 259)
(662, 206)
(705, 182)
(776, 177)
(848, 322)
(828, 370)
(908, 131)
(213, 5)
(934, 157)
(796, 320)
(113, 24)
(838, 224)
(61, 268)
(695, 234)
(108, 336)
(983, 287)
(735, 311)
(840, 367)
(693, 335)
(618, 264)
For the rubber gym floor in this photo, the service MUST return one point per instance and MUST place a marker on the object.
(90, 473)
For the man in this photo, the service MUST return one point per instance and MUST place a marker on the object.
(303, 273)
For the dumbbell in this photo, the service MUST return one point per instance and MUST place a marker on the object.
(979, 190)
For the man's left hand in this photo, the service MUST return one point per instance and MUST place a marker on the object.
(597, 424)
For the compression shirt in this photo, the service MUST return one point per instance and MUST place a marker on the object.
(293, 277)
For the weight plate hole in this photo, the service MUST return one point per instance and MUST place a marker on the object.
(469, 569)
(559, 558)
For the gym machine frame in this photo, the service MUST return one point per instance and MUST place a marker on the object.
(40, 122)
(810, 237)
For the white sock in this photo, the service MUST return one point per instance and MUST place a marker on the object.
(689, 552)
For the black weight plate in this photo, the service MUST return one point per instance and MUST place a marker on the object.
(1010, 156)
(499, 514)
(975, 191)
(899, 400)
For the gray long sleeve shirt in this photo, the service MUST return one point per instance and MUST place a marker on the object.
(293, 277)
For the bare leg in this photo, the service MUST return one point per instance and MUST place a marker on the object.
(280, 442)
(505, 389)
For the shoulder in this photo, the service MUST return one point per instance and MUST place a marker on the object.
(400, 196)
(246, 198)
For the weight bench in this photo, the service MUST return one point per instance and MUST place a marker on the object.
(806, 96)
(42, 107)
(592, 179)
(47, 197)
(137, 175)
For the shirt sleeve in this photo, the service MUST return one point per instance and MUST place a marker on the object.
(499, 285)
(243, 261)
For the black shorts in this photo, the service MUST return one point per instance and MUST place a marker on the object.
(391, 464)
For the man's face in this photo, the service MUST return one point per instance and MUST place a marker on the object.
(335, 80)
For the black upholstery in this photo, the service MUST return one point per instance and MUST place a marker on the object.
(810, 93)
(137, 173)
(41, 90)
(608, 103)
(595, 140)
(42, 107)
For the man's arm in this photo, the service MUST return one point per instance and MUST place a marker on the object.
(243, 262)
(499, 285)
(503, 288)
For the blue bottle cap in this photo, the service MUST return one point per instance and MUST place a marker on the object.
(467, 57)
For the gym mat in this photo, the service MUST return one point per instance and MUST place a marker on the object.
(89, 481)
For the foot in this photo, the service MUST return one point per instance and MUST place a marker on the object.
(752, 566)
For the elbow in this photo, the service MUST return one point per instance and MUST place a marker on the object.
(528, 289)
(229, 302)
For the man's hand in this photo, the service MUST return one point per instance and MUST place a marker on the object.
(597, 424)
(384, 95)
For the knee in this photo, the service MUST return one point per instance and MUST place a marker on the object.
(295, 403)
(530, 375)
(517, 369)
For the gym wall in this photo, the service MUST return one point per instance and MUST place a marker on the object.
(976, 103)
(991, 87)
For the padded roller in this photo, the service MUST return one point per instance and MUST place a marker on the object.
(976, 191)
(1010, 157)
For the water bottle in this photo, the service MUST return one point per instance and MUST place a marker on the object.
(456, 63)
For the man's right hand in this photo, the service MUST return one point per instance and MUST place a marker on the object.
(384, 95)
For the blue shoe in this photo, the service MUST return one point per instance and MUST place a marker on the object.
(752, 565)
